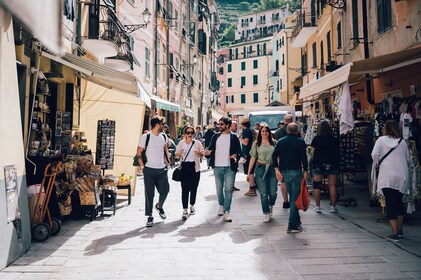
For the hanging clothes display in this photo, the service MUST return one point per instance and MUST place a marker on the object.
(346, 117)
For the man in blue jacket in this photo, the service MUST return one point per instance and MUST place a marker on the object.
(224, 151)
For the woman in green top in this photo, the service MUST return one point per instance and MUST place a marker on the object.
(265, 176)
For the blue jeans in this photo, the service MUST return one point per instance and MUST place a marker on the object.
(292, 179)
(224, 181)
(268, 187)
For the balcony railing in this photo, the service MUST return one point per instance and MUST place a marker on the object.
(303, 20)
(244, 24)
(103, 24)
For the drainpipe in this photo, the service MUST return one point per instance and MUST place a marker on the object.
(155, 80)
(167, 51)
(370, 98)
(79, 42)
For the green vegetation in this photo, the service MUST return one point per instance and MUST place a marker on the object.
(230, 10)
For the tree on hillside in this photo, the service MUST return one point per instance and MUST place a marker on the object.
(228, 37)
(255, 7)
(271, 4)
(244, 6)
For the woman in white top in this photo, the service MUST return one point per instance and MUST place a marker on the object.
(189, 151)
(393, 175)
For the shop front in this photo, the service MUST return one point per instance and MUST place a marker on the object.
(170, 111)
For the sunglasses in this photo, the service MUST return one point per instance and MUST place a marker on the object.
(190, 132)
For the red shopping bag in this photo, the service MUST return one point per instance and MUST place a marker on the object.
(303, 200)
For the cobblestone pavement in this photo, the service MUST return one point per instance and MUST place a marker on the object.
(348, 245)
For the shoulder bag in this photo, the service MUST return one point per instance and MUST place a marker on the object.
(385, 156)
(176, 175)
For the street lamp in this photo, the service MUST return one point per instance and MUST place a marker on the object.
(185, 66)
(133, 27)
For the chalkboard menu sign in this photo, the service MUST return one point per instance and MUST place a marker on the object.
(105, 144)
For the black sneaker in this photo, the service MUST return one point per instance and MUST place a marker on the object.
(149, 223)
(393, 237)
(294, 230)
(161, 212)
(285, 205)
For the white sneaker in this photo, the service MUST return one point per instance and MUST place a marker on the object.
(317, 209)
(192, 210)
(333, 209)
(266, 218)
(227, 217)
(221, 210)
(185, 215)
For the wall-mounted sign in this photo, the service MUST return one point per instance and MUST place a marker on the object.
(12, 193)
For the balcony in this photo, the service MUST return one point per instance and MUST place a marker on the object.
(104, 31)
(273, 73)
(124, 60)
(261, 22)
(275, 18)
(244, 24)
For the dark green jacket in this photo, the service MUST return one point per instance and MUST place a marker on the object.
(281, 132)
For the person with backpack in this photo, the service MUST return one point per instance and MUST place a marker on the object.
(246, 139)
(153, 149)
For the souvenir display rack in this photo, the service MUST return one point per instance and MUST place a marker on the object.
(105, 144)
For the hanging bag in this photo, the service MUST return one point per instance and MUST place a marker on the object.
(303, 199)
(176, 175)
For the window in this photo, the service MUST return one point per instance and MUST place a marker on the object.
(264, 48)
(243, 66)
(256, 97)
(147, 62)
(227, 99)
(355, 33)
(255, 64)
(283, 59)
(314, 48)
(313, 12)
(175, 20)
(236, 53)
(384, 15)
(243, 81)
(339, 28)
(280, 84)
(322, 56)
(229, 68)
(276, 65)
(164, 60)
(232, 98)
(243, 98)
(229, 82)
(251, 19)
(244, 52)
(255, 79)
(328, 46)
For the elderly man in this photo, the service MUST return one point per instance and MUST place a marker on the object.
(279, 133)
(289, 160)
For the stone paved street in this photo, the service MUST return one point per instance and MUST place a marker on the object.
(348, 245)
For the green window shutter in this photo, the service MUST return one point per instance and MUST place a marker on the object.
(232, 98)
(255, 79)
(256, 97)
(322, 56)
(243, 81)
(355, 32)
(229, 68)
(227, 99)
(243, 98)
(314, 48)
(229, 82)
(339, 28)
(328, 46)
(243, 66)
(255, 64)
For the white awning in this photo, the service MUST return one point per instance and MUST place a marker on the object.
(101, 75)
(327, 82)
(303, 36)
(42, 17)
(166, 105)
(189, 112)
(216, 115)
(143, 95)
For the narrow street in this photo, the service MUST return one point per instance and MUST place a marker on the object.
(348, 245)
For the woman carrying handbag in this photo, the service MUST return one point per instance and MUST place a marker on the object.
(189, 151)
(390, 154)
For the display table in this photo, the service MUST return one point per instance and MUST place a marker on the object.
(129, 189)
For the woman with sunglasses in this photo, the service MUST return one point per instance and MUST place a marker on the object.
(265, 176)
(189, 151)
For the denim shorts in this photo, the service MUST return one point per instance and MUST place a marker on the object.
(325, 169)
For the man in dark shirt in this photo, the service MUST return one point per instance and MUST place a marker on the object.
(246, 140)
(289, 159)
(280, 133)
(208, 136)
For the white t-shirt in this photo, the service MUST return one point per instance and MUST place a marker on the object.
(406, 119)
(222, 150)
(154, 151)
(185, 148)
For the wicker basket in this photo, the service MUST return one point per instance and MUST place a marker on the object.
(87, 198)
(124, 183)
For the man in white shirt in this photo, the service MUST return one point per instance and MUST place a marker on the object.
(154, 145)
(224, 151)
